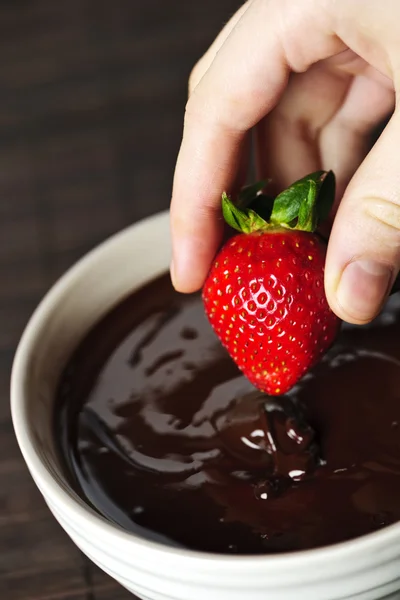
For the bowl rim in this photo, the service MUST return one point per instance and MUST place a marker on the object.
(374, 543)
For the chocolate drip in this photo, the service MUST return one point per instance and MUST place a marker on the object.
(270, 435)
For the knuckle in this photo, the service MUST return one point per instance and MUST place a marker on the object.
(384, 212)
(222, 112)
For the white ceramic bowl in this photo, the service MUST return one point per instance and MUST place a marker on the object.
(363, 569)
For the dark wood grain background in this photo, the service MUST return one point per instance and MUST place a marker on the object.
(91, 103)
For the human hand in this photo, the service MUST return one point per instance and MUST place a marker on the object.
(313, 77)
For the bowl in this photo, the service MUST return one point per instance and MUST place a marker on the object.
(364, 569)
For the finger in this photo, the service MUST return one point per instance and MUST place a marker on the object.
(197, 74)
(199, 71)
(206, 60)
(345, 140)
(288, 138)
(244, 82)
(324, 120)
(364, 249)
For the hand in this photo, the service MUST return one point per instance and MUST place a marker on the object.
(312, 77)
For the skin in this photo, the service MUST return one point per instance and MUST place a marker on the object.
(310, 79)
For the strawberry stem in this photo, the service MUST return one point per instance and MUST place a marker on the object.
(302, 206)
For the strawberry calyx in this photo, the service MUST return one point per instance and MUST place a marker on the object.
(301, 207)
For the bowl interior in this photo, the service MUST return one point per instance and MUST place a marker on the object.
(85, 294)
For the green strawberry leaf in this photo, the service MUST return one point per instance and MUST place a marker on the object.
(302, 206)
(308, 200)
(287, 203)
(244, 220)
(307, 217)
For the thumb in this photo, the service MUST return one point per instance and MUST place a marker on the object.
(364, 248)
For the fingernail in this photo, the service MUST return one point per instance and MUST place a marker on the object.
(363, 288)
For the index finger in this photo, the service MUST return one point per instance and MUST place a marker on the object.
(243, 83)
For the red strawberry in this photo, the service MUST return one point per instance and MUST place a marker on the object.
(264, 295)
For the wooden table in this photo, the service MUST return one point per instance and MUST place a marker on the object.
(91, 103)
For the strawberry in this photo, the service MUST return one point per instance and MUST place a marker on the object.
(264, 295)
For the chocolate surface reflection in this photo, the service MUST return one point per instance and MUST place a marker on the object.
(163, 435)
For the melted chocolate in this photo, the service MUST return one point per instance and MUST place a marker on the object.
(163, 435)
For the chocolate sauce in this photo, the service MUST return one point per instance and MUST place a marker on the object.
(162, 434)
